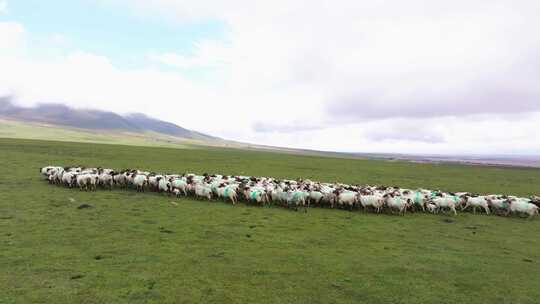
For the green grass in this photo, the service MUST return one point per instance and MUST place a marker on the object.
(140, 248)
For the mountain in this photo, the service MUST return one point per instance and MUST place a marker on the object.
(58, 114)
(151, 124)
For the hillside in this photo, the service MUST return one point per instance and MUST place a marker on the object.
(44, 131)
(89, 119)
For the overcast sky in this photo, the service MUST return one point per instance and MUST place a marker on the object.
(359, 76)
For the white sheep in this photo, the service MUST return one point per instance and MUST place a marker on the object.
(295, 199)
(315, 197)
(476, 202)
(69, 179)
(375, 201)
(153, 182)
(449, 202)
(83, 181)
(203, 191)
(255, 195)
(417, 198)
(347, 198)
(179, 184)
(140, 181)
(228, 192)
(164, 185)
(498, 204)
(521, 206)
(106, 180)
(398, 203)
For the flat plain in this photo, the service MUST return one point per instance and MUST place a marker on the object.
(134, 247)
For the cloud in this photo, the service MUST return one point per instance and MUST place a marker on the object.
(295, 126)
(3, 7)
(496, 98)
(405, 131)
(12, 37)
(445, 135)
(378, 59)
(206, 54)
(320, 75)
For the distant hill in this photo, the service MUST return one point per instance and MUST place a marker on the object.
(62, 115)
(61, 123)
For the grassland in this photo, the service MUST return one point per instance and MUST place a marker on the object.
(140, 248)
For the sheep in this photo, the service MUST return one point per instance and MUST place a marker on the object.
(397, 202)
(535, 200)
(289, 193)
(87, 181)
(347, 199)
(120, 179)
(130, 178)
(417, 198)
(315, 197)
(329, 199)
(106, 180)
(93, 181)
(45, 171)
(203, 191)
(449, 202)
(498, 204)
(57, 178)
(295, 199)
(51, 178)
(227, 192)
(521, 206)
(475, 202)
(140, 181)
(255, 195)
(89, 171)
(53, 174)
(164, 185)
(75, 169)
(375, 201)
(83, 181)
(69, 179)
(277, 195)
(179, 184)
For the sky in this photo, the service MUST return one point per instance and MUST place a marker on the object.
(417, 76)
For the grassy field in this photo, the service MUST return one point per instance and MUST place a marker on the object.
(141, 248)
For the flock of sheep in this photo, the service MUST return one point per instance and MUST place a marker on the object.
(291, 193)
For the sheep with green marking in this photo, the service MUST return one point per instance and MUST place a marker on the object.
(228, 192)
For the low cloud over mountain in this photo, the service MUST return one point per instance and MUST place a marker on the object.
(58, 114)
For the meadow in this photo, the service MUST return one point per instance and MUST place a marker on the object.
(130, 247)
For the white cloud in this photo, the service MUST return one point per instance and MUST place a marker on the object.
(380, 55)
(207, 54)
(11, 37)
(3, 6)
(374, 76)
